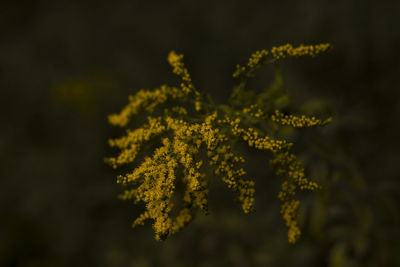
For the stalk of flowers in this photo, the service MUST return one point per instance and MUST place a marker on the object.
(195, 127)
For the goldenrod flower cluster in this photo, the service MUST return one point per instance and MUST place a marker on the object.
(196, 146)
(294, 121)
(253, 137)
(257, 57)
(130, 143)
(219, 153)
(147, 100)
(288, 50)
(279, 52)
(179, 69)
(254, 111)
(287, 166)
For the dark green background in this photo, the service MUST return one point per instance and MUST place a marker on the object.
(66, 65)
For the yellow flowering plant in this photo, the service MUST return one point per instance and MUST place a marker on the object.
(197, 143)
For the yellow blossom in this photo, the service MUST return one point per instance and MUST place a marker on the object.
(195, 148)
(278, 52)
(288, 50)
(295, 121)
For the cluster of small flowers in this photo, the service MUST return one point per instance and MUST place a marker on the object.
(239, 70)
(220, 155)
(253, 137)
(184, 136)
(179, 69)
(289, 215)
(279, 52)
(287, 166)
(288, 50)
(253, 111)
(294, 121)
(131, 143)
(157, 174)
(147, 100)
(187, 86)
(257, 57)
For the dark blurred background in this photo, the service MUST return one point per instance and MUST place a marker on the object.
(66, 65)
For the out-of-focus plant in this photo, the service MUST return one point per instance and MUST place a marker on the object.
(198, 141)
(81, 93)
